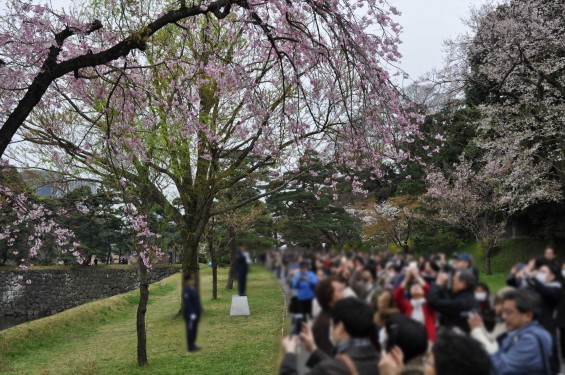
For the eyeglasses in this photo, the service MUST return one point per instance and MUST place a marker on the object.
(508, 312)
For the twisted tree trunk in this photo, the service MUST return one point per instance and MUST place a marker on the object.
(141, 310)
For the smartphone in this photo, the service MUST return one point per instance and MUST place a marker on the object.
(413, 264)
(296, 325)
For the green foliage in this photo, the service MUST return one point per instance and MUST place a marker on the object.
(495, 282)
(95, 221)
(454, 123)
(102, 334)
(10, 178)
(432, 236)
(307, 215)
(509, 252)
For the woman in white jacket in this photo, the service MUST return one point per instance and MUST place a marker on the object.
(478, 330)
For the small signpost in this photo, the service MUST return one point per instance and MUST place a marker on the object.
(239, 306)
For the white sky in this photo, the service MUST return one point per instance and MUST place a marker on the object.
(426, 23)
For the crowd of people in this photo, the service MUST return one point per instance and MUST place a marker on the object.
(394, 314)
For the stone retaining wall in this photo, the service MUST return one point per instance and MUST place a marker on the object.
(52, 291)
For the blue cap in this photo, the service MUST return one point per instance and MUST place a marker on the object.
(465, 257)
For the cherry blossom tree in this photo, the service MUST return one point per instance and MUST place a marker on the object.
(215, 99)
(178, 102)
(40, 47)
(388, 221)
(481, 198)
(510, 67)
(28, 223)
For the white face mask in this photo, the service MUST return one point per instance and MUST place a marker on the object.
(563, 273)
(541, 277)
(480, 296)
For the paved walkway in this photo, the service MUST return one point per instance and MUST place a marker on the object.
(302, 355)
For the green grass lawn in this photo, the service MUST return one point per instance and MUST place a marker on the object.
(100, 337)
(509, 253)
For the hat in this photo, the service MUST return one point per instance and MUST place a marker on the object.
(465, 256)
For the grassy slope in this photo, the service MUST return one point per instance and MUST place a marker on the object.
(511, 251)
(100, 338)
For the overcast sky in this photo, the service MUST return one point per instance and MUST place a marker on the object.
(427, 24)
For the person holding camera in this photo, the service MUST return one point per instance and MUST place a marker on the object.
(455, 303)
(409, 336)
(304, 282)
(527, 347)
(415, 304)
(352, 325)
(451, 354)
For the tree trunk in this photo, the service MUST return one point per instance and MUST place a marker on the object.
(214, 281)
(213, 257)
(488, 269)
(190, 258)
(141, 310)
(233, 255)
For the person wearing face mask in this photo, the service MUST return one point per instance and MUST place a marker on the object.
(366, 284)
(482, 295)
(545, 283)
(415, 305)
(351, 329)
(489, 337)
(389, 276)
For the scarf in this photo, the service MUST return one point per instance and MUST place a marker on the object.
(417, 310)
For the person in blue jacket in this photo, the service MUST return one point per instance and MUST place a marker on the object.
(526, 348)
(242, 261)
(304, 282)
(191, 311)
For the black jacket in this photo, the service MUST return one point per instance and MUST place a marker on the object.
(452, 307)
(365, 358)
(191, 303)
(550, 296)
(560, 319)
(241, 264)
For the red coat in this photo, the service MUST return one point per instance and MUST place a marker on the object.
(406, 308)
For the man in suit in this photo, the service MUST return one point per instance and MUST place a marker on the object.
(241, 268)
(191, 311)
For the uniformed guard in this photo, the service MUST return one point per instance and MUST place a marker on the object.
(191, 311)
(241, 268)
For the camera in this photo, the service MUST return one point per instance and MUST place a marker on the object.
(297, 324)
(450, 270)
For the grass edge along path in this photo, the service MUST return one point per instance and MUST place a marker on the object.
(99, 337)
